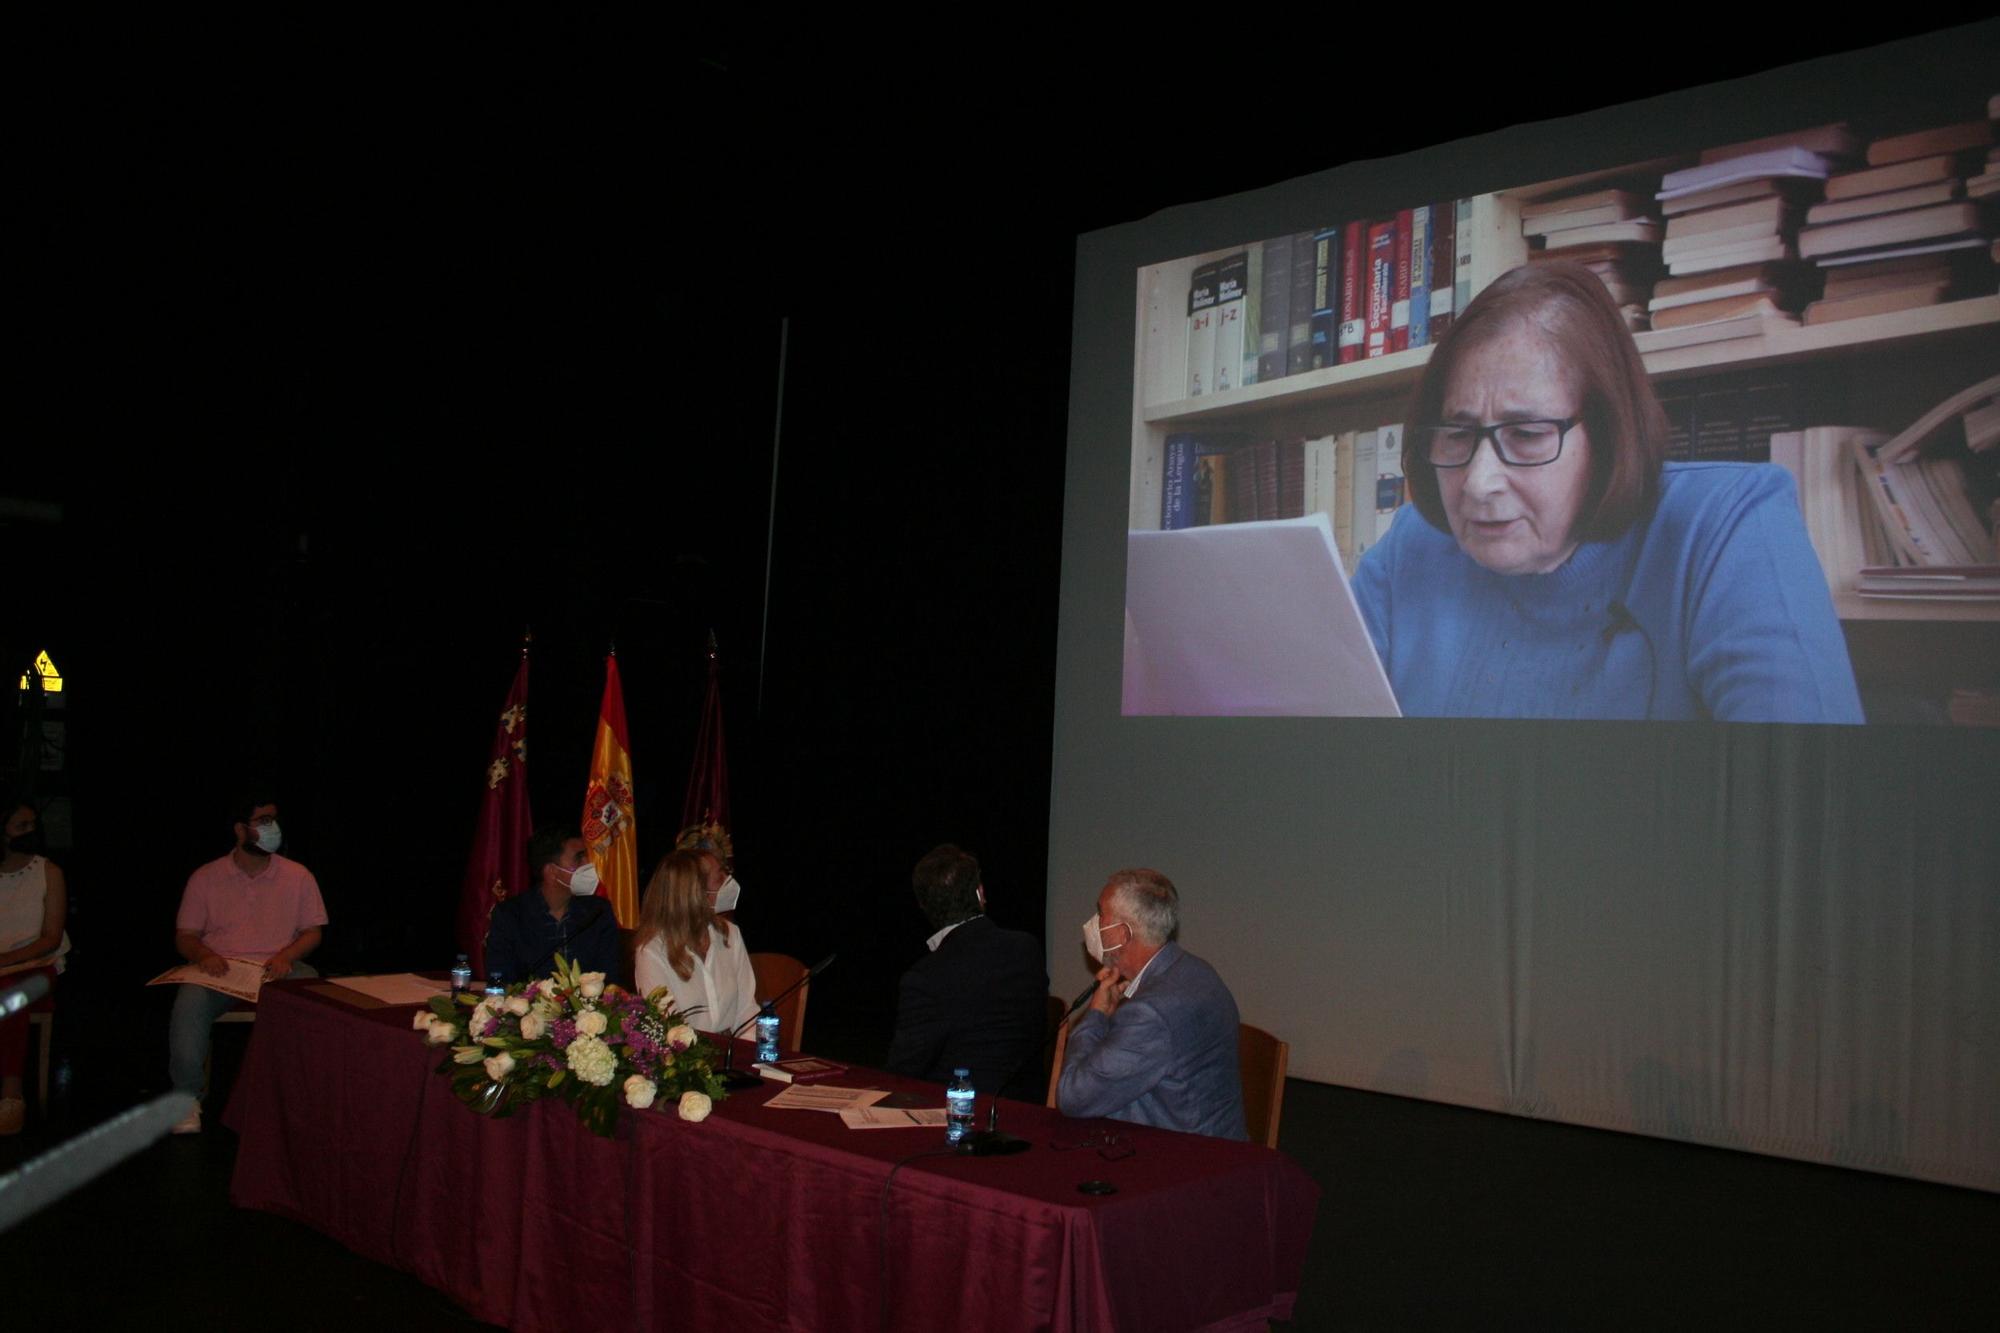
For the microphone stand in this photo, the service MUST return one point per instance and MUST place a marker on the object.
(735, 1081)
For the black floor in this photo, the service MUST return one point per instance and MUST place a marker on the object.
(1431, 1217)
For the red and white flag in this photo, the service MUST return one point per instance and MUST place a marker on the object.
(498, 866)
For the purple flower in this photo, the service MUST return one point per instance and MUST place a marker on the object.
(562, 1032)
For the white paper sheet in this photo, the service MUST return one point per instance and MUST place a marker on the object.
(1247, 619)
(244, 979)
(394, 987)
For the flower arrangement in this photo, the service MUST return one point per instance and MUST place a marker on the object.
(569, 1035)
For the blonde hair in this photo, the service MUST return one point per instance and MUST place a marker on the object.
(676, 911)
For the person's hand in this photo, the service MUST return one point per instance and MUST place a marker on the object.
(215, 965)
(276, 966)
(1110, 991)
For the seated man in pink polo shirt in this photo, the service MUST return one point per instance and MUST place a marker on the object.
(251, 904)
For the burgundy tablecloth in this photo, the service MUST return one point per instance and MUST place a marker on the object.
(754, 1219)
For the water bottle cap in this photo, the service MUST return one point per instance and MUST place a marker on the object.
(961, 1073)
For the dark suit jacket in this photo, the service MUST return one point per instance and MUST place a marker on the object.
(522, 939)
(980, 1003)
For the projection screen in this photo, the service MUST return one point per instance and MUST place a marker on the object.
(1776, 935)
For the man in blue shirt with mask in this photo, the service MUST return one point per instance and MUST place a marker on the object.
(560, 914)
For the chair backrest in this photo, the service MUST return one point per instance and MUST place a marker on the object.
(1056, 1055)
(1261, 1060)
(776, 971)
(1050, 1060)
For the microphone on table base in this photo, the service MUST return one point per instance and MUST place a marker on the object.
(736, 1081)
(991, 1142)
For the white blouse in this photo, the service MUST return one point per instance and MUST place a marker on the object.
(722, 984)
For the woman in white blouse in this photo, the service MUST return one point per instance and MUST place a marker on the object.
(684, 946)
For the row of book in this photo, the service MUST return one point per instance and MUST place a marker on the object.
(1813, 226)
(1355, 478)
(1328, 297)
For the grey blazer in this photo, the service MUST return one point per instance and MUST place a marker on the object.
(1166, 1058)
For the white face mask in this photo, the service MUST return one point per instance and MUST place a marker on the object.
(583, 880)
(269, 837)
(1093, 939)
(728, 895)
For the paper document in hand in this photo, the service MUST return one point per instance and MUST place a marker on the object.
(243, 979)
(819, 1097)
(890, 1117)
(1247, 618)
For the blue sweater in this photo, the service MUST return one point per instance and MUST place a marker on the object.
(1730, 615)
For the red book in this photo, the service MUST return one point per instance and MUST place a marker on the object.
(1399, 306)
(1353, 301)
(1381, 281)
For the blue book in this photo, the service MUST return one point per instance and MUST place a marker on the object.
(1420, 276)
(1177, 487)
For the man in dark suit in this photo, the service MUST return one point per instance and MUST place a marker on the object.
(979, 999)
(1158, 1044)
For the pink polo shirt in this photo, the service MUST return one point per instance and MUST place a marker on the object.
(245, 916)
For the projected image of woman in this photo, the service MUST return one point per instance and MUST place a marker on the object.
(1552, 564)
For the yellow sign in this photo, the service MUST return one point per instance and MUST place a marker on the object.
(51, 678)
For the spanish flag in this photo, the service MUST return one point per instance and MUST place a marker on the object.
(608, 826)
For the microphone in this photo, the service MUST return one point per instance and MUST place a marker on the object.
(1618, 620)
(731, 1079)
(1079, 1002)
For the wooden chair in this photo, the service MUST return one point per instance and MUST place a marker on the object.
(776, 971)
(1261, 1061)
(1050, 1060)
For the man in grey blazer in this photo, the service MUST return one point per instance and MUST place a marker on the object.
(1157, 1045)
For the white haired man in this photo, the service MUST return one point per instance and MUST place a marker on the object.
(1158, 1044)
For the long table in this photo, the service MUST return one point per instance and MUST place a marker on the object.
(756, 1218)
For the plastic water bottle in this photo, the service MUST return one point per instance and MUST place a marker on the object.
(495, 986)
(767, 1034)
(461, 974)
(958, 1106)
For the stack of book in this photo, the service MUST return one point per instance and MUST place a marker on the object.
(1613, 233)
(1901, 232)
(1731, 245)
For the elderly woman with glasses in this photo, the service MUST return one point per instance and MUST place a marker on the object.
(1552, 564)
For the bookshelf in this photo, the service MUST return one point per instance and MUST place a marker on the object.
(1895, 358)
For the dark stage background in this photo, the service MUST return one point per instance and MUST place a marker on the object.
(344, 367)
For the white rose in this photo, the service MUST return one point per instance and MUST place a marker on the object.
(517, 1004)
(591, 1023)
(681, 1036)
(499, 1066)
(423, 1020)
(591, 984)
(639, 1092)
(469, 1055)
(695, 1106)
(440, 1032)
(533, 1025)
